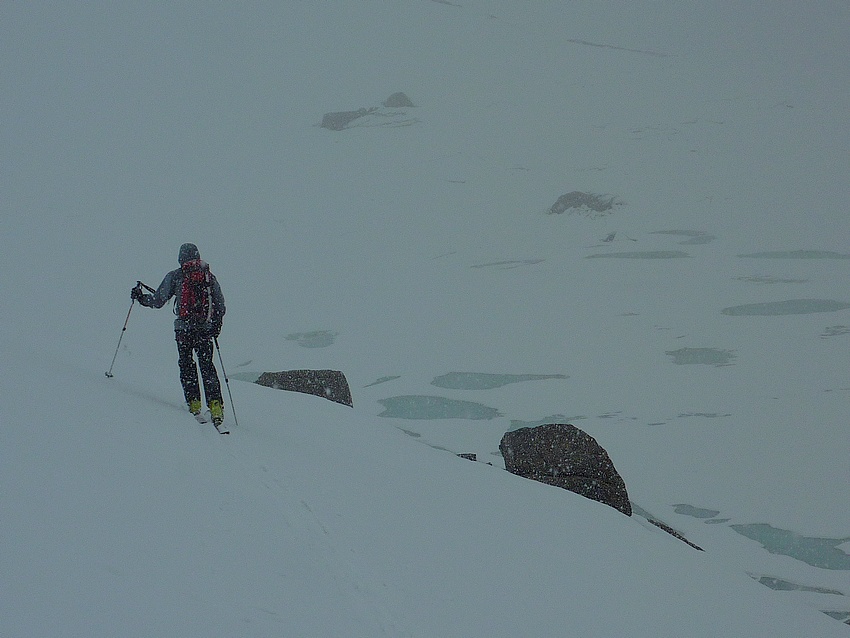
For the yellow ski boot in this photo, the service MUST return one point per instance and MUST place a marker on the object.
(217, 413)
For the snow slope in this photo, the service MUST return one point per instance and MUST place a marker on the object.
(704, 346)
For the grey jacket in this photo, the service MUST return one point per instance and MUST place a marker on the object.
(171, 286)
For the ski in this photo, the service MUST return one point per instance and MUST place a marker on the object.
(204, 417)
(219, 430)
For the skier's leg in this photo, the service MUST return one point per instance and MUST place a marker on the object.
(212, 386)
(188, 370)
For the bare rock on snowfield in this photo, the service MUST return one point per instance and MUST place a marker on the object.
(397, 101)
(588, 204)
(386, 115)
(562, 455)
(341, 119)
(330, 384)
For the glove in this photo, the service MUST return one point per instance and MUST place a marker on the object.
(136, 293)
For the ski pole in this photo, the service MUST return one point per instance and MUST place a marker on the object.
(226, 383)
(109, 374)
(123, 330)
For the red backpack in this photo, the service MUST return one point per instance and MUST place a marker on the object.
(195, 301)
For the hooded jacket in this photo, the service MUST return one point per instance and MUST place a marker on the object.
(172, 284)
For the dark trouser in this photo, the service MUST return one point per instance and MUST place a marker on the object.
(187, 342)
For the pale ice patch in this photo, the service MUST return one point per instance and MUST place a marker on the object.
(697, 237)
(510, 263)
(485, 381)
(696, 512)
(642, 254)
(769, 279)
(704, 356)
(425, 407)
(824, 553)
(315, 339)
(796, 254)
(787, 307)
(779, 584)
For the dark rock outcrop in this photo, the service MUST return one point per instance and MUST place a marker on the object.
(562, 455)
(388, 116)
(341, 119)
(587, 203)
(674, 533)
(398, 100)
(330, 384)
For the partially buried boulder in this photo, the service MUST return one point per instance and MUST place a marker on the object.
(562, 455)
(398, 100)
(589, 204)
(341, 119)
(330, 384)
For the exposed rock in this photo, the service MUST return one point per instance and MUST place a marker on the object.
(398, 100)
(588, 203)
(339, 120)
(562, 455)
(385, 115)
(674, 533)
(330, 384)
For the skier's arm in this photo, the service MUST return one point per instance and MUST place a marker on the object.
(162, 294)
(218, 307)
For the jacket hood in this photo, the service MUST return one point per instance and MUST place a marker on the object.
(188, 252)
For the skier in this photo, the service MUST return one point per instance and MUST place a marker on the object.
(199, 306)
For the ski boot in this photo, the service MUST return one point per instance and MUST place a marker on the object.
(216, 412)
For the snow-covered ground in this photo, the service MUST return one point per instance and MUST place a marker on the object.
(699, 330)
